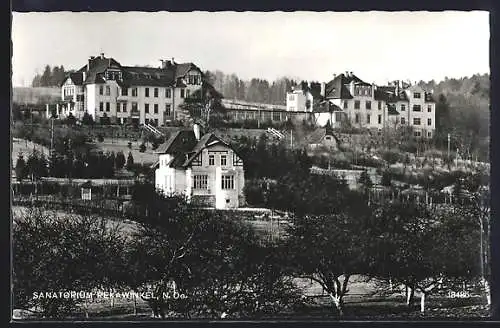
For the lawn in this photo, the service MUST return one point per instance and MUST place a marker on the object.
(116, 145)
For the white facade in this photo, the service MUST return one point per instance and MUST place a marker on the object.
(215, 177)
(421, 113)
(299, 101)
(101, 91)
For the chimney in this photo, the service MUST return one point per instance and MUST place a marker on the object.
(197, 131)
(90, 62)
(102, 55)
(334, 75)
(323, 87)
(173, 62)
(84, 76)
(350, 74)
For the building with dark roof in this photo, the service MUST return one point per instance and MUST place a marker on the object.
(129, 94)
(204, 168)
(366, 105)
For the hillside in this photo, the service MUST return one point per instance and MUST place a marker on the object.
(35, 95)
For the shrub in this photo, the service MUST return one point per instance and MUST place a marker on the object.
(142, 148)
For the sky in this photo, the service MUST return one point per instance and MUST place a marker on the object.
(376, 46)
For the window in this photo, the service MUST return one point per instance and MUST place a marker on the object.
(117, 107)
(134, 92)
(345, 104)
(417, 108)
(168, 93)
(417, 133)
(124, 91)
(187, 93)
(276, 116)
(403, 107)
(416, 95)
(108, 90)
(211, 160)
(380, 119)
(379, 105)
(134, 107)
(156, 121)
(403, 120)
(107, 107)
(182, 93)
(368, 118)
(227, 182)
(223, 160)
(429, 121)
(146, 108)
(368, 104)
(124, 107)
(416, 121)
(155, 108)
(146, 121)
(291, 97)
(200, 182)
(292, 109)
(101, 106)
(429, 108)
(156, 92)
(146, 92)
(168, 109)
(356, 104)
(101, 90)
(356, 118)
(429, 134)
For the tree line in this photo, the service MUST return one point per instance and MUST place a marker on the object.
(51, 77)
(92, 165)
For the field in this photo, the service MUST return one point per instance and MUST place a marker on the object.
(116, 145)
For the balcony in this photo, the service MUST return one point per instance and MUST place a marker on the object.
(135, 113)
(68, 98)
(122, 98)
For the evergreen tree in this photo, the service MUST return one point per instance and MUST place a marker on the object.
(119, 160)
(130, 161)
(20, 167)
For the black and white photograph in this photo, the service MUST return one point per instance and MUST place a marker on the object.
(250, 166)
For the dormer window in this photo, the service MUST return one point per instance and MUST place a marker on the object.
(416, 95)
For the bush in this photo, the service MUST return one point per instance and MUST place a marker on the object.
(142, 148)
(100, 137)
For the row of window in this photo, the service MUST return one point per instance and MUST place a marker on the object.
(201, 182)
(122, 107)
(211, 159)
(368, 105)
(106, 90)
(416, 120)
(363, 91)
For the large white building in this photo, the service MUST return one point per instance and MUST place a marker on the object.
(203, 168)
(129, 94)
(365, 105)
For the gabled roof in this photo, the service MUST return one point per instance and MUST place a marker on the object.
(137, 75)
(339, 86)
(180, 142)
(326, 107)
(319, 134)
(388, 94)
(206, 141)
(76, 78)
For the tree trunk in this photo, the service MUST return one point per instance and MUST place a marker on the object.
(410, 292)
(422, 302)
(135, 305)
(487, 291)
(339, 303)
